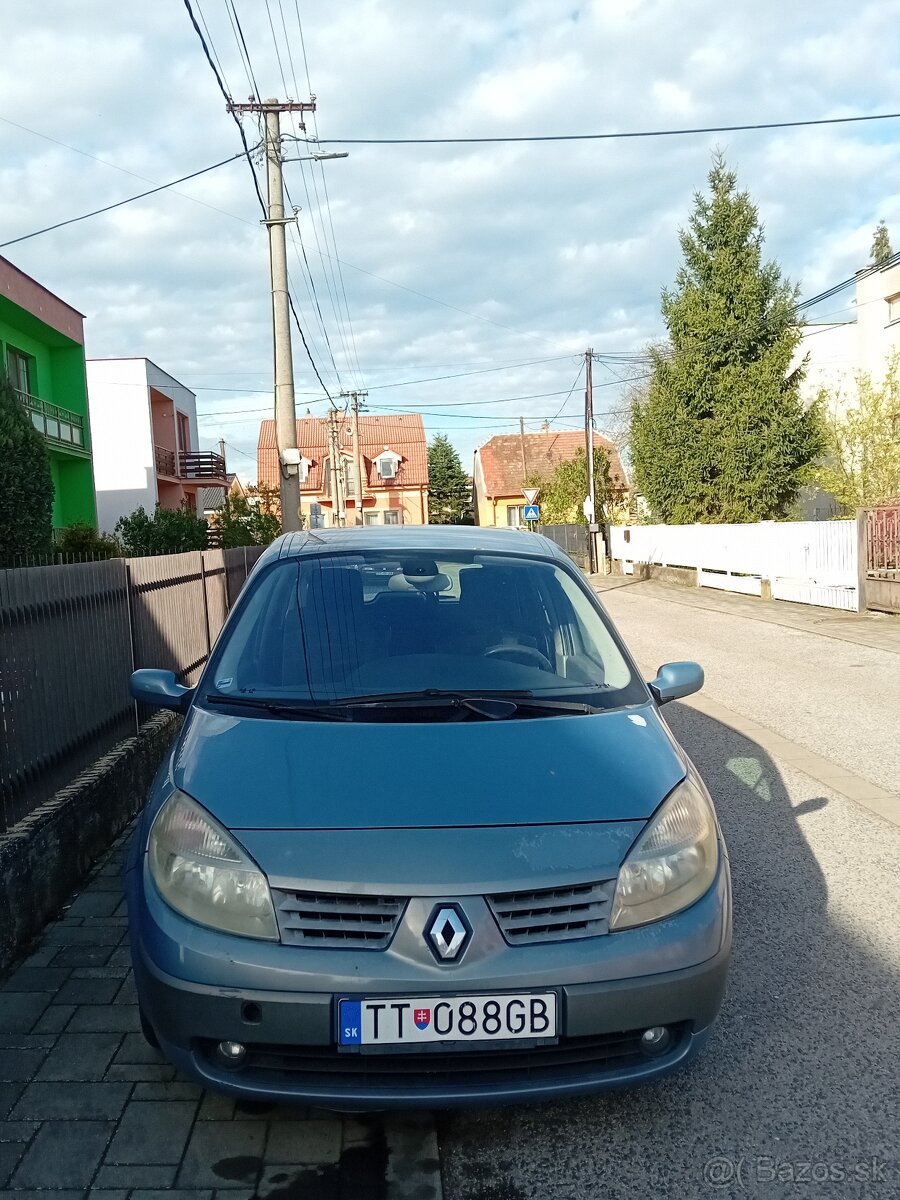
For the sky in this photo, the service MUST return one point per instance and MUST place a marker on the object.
(493, 266)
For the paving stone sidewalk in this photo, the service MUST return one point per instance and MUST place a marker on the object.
(87, 1108)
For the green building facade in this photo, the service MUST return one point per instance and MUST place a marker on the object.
(42, 351)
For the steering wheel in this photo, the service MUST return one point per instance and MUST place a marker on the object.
(505, 649)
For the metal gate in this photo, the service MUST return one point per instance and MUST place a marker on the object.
(883, 559)
(571, 538)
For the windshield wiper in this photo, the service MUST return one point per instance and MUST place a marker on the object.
(494, 705)
(489, 705)
(300, 710)
(435, 695)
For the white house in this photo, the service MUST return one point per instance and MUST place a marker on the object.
(144, 430)
(837, 351)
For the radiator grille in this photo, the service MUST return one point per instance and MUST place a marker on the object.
(325, 920)
(554, 914)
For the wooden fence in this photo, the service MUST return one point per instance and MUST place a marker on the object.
(71, 635)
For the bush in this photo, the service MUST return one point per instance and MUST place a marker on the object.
(168, 531)
(84, 541)
(26, 485)
(243, 524)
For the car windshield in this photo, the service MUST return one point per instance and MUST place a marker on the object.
(332, 627)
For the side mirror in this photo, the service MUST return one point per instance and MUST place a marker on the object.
(161, 689)
(677, 679)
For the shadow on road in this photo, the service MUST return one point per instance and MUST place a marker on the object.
(799, 1080)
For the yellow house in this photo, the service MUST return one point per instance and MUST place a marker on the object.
(503, 464)
(393, 470)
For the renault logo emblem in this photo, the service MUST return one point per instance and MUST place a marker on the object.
(447, 932)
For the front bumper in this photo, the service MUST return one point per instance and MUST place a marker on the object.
(285, 1017)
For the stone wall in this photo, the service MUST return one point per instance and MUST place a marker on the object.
(45, 856)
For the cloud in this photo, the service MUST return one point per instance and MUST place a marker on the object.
(548, 248)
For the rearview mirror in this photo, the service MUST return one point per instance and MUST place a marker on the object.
(161, 689)
(675, 680)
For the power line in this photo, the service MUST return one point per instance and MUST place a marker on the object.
(535, 396)
(240, 127)
(119, 203)
(405, 383)
(242, 43)
(321, 166)
(310, 285)
(343, 262)
(309, 281)
(239, 34)
(244, 453)
(227, 97)
(602, 137)
(305, 346)
(444, 303)
(212, 46)
(571, 390)
(376, 387)
(116, 167)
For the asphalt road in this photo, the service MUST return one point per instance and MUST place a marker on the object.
(838, 698)
(798, 1092)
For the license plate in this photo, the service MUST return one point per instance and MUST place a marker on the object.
(391, 1021)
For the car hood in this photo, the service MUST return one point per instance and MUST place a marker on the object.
(258, 773)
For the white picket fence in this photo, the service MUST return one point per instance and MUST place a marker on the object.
(809, 562)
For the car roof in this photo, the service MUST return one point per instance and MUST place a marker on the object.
(415, 539)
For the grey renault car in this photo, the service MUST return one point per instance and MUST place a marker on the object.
(425, 837)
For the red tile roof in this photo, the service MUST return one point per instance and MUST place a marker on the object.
(501, 458)
(403, 433)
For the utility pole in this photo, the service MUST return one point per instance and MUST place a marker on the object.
(354, 398)
(285, 411)
(334, 451)
(522, 446)
(593, 527)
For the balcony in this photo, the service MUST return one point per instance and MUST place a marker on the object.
(196, 465)
(60, 426)
(189, 464)
(166, 461)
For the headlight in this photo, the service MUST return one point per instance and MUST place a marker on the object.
(204, 874)
(671, 864)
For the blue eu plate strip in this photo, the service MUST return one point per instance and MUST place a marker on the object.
(350, 1033)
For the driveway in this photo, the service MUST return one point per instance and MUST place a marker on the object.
(797, 1094)
(86, 1106)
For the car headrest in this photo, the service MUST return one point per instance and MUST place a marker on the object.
(437, 583)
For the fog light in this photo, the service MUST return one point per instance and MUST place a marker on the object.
(656, 1040)
(231, 1054)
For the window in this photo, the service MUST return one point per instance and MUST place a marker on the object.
(514, 515)
(392, 516)
(21, 371)
(335, 625)
(387, 463)
(184, 432)
(371, 518)
(893, 303)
